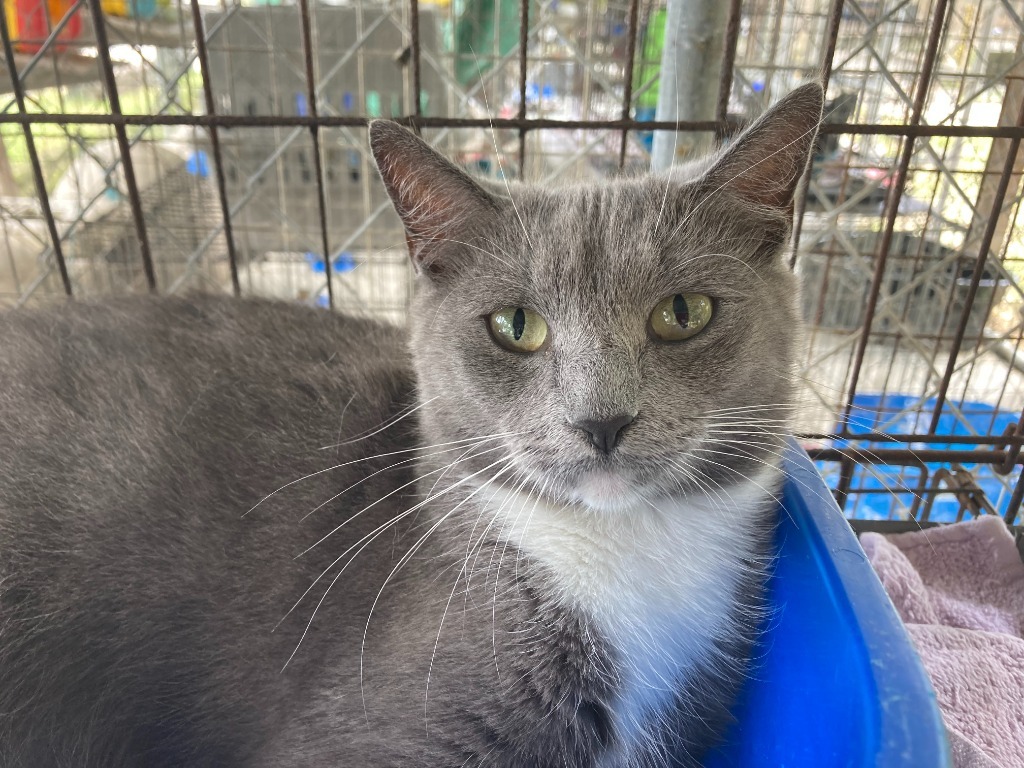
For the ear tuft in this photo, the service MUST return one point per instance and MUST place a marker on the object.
(764, 164)
(436, 201)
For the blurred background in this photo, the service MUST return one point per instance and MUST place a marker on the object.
(172, 146)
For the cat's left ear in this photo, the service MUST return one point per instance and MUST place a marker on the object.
(437, 202)
(764, 164)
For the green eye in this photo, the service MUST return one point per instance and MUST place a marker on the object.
(680, 317)
(518, 329)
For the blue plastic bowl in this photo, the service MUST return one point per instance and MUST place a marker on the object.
(837, 683)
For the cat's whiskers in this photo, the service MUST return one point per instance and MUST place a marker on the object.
(703, 484)
(770, 494)
(359, 546)
(752, 418)
(498, 515)
(392, 492)
(742, 420)
(785, 404)
(520, 547)
(770, 435)
(497, 157)
(730, 257)
(341, 421)
(712, 487)
(761, 416)
(404, 559)
(675, 146)
(753, 407)
(814, 489)
(508, 463)
(386, 425)
(475, 247)
(372, 458)
(753, 450)
(768, 439)
(724, 499)
(775, 430)
(368, 538)
(463, 457)
(329, 469)
(737, 427)
(475, 545)
(357, 461)
(413, 459)
(519, 480)
(741, 454)
(497, 573)
(505, 540)
(401, 412)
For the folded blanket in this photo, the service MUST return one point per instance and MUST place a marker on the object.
(960, 591)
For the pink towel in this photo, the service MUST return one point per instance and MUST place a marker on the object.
(960, 591)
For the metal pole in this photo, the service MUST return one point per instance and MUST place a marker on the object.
(691, 61)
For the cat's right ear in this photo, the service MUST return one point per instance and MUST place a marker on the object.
(437, 202)
(764, 164)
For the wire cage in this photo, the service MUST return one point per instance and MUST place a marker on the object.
(220, 145)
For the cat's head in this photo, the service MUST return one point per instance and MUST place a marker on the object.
(611, 342)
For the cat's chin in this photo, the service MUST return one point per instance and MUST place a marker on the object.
(606, 490)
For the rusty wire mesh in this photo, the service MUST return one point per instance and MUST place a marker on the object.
(219, 145)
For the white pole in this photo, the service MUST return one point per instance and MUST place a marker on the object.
(690, 65)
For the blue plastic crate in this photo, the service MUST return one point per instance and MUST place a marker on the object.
(838, 684)
(907, 414)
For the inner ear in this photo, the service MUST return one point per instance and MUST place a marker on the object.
(437, 202)
(764, 164)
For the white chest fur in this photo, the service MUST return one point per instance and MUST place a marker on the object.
(658, 582)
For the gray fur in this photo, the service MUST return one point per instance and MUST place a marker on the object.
(163, 464)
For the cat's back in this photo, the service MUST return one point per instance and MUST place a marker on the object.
(138, 594)
(138, 347)
(146, 376)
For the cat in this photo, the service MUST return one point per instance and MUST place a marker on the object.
(532, 529)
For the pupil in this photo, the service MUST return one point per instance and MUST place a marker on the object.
(682, 312)
(518, 323)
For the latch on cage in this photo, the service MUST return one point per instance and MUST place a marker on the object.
(971, 496)
(1010, 447)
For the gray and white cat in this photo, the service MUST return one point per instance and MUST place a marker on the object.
(532, 533)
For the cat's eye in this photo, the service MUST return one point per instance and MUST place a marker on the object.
(518, 329)
(680, 317)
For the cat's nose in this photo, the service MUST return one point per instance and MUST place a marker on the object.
(605, 433)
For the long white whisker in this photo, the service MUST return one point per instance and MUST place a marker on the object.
(389, 467)
(388, 495)
(409, 412)
(359, 546)
(497, 156)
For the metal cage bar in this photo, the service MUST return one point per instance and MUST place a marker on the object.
(30, 144)
(107, 66)
(314, 130)
(893, 200)
(218, 158)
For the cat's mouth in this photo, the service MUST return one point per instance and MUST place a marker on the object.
(607, 490)
(601, 486)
